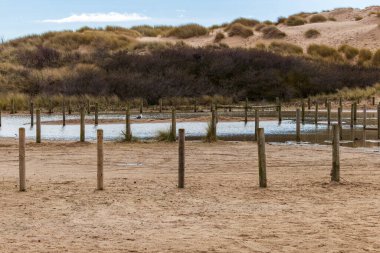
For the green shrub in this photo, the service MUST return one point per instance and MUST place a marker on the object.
(219, 37)
(348, 51)
(312, 33)
(123, 30)
(318, 18)
(261, 46)
(285, 48)
(272, 32)
(376, 58)
(295, 21)
(165, 135)
(324, 51)
(240, 30)
(187, 31)
(150, 31)
(364, 56)
(246, 22)
(281, 20)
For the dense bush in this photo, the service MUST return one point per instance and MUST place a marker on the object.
(318, 18)
(285, 48)
(187, 31)
(365, 55)
(312, 33)
(150, 31)
(348, 51)
(272, 32)
(376, 58)
(246, 22)
(295, 21)
(219, 37)
(324, 51)
(239, 30)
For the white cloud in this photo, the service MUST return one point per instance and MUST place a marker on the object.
(98, 18)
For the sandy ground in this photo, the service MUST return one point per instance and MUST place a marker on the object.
(364, 33)
(222, 209)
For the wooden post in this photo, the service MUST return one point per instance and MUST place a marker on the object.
(246, 111)
(341, 103)
(329, 113)
(340, 123)
(335, 172)
(279, 112)
(0, 118)
(63, 113)
(326, 103)
(298, 126)
(82, 125)
(100, 159)
(69, 107)
(31, 114)
(13, 110)
(355, 112)
(88, 107)
(303, 112)
(257, 123)
(352, 116)
(308, 103)
(378, 121)
(316, 113)
(96, 114)
(38, 128)
(160, 104)
(174, 125)
(22, 159)
(364, 117)
(195, 106)
(141, 106)
(50, 107)
(181, 159)
(128, 131)
(262, 158)
(373, 100)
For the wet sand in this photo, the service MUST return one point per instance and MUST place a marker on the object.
(222, 209)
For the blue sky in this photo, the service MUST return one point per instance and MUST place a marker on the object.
(23, 17)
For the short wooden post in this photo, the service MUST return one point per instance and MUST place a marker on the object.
(31, 114)
(0, 118)
(335, 172)
(329, 113)
(373, 100)
(298, 125)
(257, 123)
(262, 158)
(246, 111)
(160, 104)
(303, 112)
(195, 105)
(181, 158)
(174, 125)
(69, 109)
(279, 112)
(82, 124)
(50, 107)
(100, 159)
(355, 112)
(141, 106)
(13, 110)
(63, 113)
(378, 121)
(128, 131)
(316, 113)
(340, 123)
(38, 127)
(22, 159)
(308, 103)
(96, 114)
(364, 117)
(341, 103)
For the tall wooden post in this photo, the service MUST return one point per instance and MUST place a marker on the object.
(329, 113)
(13, 110)
(174, 125)
(63, 113)
(88, 107)
(373, 100)
(303, 112)
(341, 103)
(50, 107)
(82, 124)
(31, 114)
(316, 113)
(128, 131)
(246, 111)
(100, 160)
(378, 121)
(0, 118)
(298, 125)
(364, 117)
(22, 159)
(38, 127)
(308, 103)
(262, 158)
(355, 112)
(141, 106)
(279, 112)
(257, 123)
(96, 114)
(335, 172)
(160, 104)
(352, 116)
(181, 158)
(340, 123)
(195, 105)
(69, 109)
